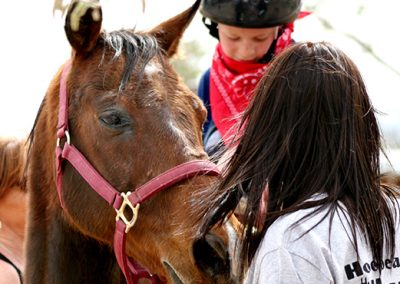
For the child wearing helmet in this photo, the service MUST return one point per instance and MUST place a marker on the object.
(250, 34)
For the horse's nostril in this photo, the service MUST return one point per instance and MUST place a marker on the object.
(212, 257)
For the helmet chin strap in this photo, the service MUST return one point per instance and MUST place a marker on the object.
(271, 51)
(211, 26)
(269, 54)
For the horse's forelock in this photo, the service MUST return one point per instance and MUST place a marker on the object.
(137, 49)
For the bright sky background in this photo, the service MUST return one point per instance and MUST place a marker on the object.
(33, 46)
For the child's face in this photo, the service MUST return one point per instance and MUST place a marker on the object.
(244, 44)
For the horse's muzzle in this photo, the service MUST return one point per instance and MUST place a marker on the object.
(212, 257)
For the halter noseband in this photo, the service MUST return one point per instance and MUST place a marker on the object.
(119, 200)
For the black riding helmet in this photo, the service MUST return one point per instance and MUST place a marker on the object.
(248, 13)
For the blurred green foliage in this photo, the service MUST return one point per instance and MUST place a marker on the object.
(186, 63)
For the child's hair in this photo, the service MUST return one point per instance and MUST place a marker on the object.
(310, 128)
(12, 163)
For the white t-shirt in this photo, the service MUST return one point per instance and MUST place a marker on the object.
(318, 256)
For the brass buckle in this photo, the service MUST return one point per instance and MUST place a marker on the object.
(120, 212)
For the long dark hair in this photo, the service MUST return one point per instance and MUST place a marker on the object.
(310, 128)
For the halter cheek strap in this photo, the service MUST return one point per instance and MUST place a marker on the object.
(132, 270)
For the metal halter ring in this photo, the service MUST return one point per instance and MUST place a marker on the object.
(66, 133)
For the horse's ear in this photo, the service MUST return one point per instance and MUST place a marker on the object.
(83, 25)
(170, 32)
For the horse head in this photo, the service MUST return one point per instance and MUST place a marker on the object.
(131, 118)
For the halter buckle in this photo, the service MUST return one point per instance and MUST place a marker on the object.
(120, 212)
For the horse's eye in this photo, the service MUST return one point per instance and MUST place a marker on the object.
(114, 119)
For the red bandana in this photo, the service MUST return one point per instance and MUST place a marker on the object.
(231, 86)
(232, 83)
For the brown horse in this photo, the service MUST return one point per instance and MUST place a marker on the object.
(121, 120)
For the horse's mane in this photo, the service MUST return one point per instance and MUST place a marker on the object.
(12, 163)
(391, 178)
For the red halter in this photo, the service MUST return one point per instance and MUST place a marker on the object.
(119, 200)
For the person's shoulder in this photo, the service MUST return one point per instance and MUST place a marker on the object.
(8, 274)
(290, 229)
(203, 90)
(284, 230)
(295, 220)
(205, 77)
(291, 253)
